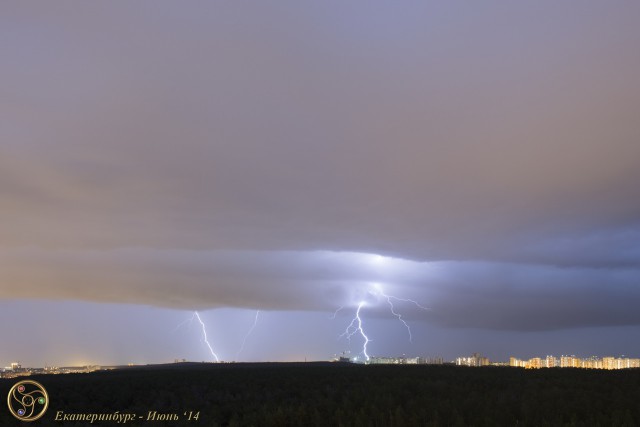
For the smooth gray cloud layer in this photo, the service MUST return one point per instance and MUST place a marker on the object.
(251, 155)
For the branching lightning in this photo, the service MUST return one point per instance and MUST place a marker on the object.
(335, 313)
(375, 293)
(255, 322)
(204, 334)
(352, 330)
(398, 315)
(190, 320)
(406, 300)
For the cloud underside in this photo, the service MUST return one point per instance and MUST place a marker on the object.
(258, 157)
(455, 294)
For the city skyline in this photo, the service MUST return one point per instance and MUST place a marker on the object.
(433, 178)
(475, 360)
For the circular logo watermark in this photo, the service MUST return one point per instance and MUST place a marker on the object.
(28, 400)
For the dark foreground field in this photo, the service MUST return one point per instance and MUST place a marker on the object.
(323, 394)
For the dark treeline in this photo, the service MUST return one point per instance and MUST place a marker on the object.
(323, 394)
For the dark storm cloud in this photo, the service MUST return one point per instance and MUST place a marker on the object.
(197, 157)
(457, 294)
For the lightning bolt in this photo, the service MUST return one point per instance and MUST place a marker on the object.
(255, 322)
(190, 320)
(204, 334)
(398, 315)
(352, 330)
(335, 313)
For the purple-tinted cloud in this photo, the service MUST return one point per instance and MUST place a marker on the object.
(251, 156)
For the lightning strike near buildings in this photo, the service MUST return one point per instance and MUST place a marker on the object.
(375, 290)
(352, 330)
(204, 334)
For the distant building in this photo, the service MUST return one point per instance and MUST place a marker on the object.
(475, 360)
(383, 360)
(535, 363)
(569, 362)
(609, 363)
(516, 363)
(550, 362)
(592, 362)
(386, 360)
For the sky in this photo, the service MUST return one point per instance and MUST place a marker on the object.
(474, 164)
